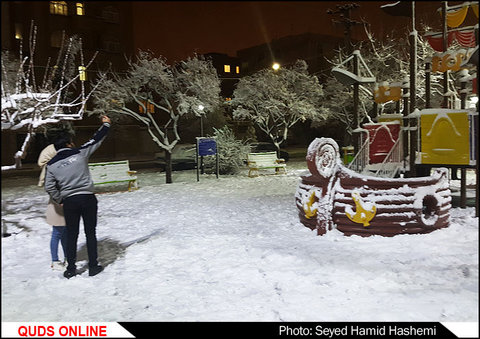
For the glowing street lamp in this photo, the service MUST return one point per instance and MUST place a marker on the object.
(276, 66)
(201, 108)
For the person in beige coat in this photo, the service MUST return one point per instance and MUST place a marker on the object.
(54, 214)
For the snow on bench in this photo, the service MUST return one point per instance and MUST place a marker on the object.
(264, 160)
(113, 172)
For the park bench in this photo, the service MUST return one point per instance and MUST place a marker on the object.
(264, 160)
(113, 172)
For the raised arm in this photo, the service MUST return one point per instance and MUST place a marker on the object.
(91, 146)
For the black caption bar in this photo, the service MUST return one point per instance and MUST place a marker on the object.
(320, 330)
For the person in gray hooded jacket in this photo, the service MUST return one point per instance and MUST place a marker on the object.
(68, 182)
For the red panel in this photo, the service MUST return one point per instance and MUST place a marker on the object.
(382, 138)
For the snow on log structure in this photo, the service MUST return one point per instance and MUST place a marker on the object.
(333, 196)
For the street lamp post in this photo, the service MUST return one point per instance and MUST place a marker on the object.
(201, 108)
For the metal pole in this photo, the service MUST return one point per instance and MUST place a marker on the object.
(477, 151)
(217, 162)
(463, 187)
(201, 135)
(445, 47)
(476, 148)
(413, 62)
(356, 98)
(406, 122)
(428, 70)
(196, 160)
(413, 92)
(463, 88)
(463, 170)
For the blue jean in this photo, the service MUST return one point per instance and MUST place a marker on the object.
(59, 234)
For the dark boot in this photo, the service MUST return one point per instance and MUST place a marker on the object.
(69, 273)
(95, 270)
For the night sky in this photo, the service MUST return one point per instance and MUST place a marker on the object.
(177, 29)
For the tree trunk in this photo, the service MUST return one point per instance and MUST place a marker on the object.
(278, 151)
(168, 167)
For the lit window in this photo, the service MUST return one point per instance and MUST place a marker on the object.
(237, 69)
(18, 31)
(148, 105)
(226, 68)
(58, 7)
(80, 8)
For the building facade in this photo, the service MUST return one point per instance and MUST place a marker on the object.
(104, 26)
(229, 72)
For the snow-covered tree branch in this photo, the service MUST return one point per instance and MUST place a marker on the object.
(159, 95)
(61, 95)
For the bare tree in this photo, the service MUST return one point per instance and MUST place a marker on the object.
(158, 95)
(28, 103)
(277, 100)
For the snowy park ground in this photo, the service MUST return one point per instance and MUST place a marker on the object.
(231, 249)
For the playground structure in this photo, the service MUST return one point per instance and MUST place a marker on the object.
(412, 142)
(447, 138)
(334, 197)
(398, 180)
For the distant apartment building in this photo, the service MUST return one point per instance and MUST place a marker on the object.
(229, 72)
(104, 26)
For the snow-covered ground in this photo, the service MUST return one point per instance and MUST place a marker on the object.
(231, 249)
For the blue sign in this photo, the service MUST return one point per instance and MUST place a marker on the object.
(207, 146)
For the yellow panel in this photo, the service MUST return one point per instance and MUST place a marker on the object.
(391, 118)
(445, 138)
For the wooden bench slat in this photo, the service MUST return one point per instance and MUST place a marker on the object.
(113, 172)
(264, 160)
